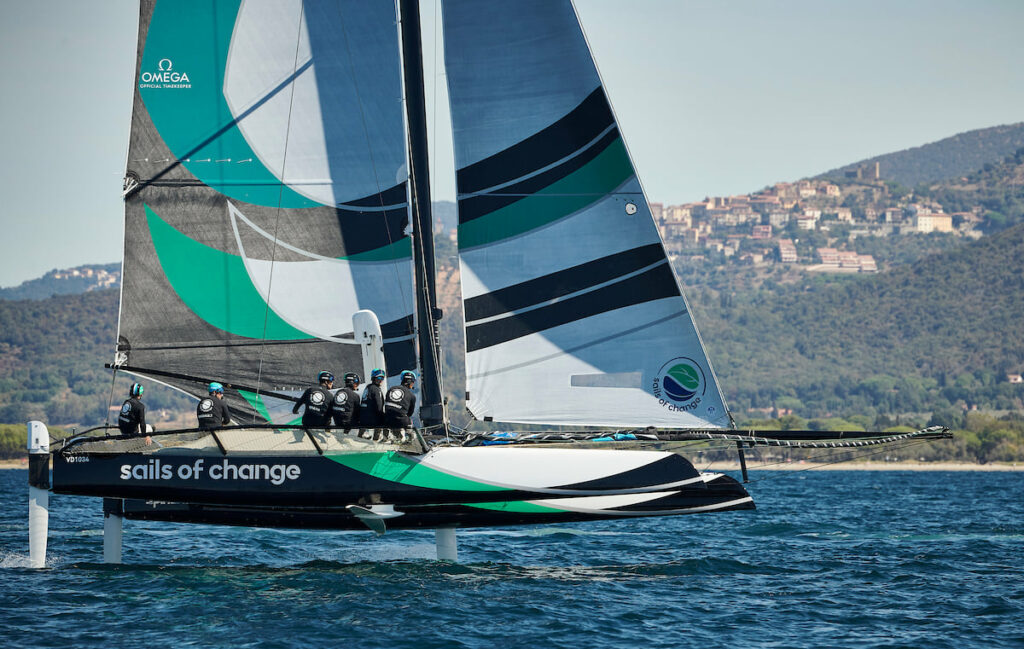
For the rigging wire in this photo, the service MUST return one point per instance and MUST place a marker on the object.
(419, 241)
(816, 462)
(430, 301)
(369, 149)
(853, 454)
(277, 215)
(410, 304)
(657, 232)
(433, 192)
(110, 399)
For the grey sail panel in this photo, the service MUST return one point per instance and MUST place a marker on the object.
(266, 196)
(573, 314)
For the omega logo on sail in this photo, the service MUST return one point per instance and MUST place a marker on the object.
(165, 77)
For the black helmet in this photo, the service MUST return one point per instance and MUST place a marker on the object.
(351, 378)
(136, 390)
(325, 376)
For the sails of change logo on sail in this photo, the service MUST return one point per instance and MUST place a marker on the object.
(165, 76)
(680, 384)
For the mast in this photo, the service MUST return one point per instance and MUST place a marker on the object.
(427, 314)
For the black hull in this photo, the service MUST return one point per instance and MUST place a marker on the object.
(322, 483)
(721, 494)
(317, 481)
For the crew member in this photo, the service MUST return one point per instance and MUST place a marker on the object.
(317, 400)
(212, 412)
(132, 420)
(371, 408)
(400, 402)
(345, 407)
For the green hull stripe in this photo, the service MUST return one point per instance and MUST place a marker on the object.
(395, 467)
(517, 506)
(581, 188)
(215, 285)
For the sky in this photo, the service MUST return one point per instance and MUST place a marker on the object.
(714, 97)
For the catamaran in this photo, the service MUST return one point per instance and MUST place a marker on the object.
(278, 222)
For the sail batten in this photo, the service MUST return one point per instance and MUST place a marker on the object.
(573, 315)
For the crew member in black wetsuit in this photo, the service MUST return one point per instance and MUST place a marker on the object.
(132, 420)
(371, 408)
(400, 402)
(212, 412)
(345, 407)
(317, 400)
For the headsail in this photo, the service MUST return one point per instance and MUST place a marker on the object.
(266, 197)
(573, 315)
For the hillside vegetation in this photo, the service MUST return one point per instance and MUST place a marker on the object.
(931, 341)
(951, 157)
(67, 282)
(997, 187)
(52, 353)
(941, 333)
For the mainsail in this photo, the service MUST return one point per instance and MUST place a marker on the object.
(266, 196)
(573, 314)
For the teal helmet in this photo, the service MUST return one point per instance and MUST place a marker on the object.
(408, 376)
(136, 390)
(377, 373)
(216, 387)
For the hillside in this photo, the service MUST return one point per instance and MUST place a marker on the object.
(996, 190)
(52, 353)
(72, 281)
(951, 157)
(934, 334)
(938, 334)
(932, 337)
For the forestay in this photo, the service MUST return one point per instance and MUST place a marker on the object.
(266, 195)
(573, 314)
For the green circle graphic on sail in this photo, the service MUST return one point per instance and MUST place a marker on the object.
(680, 380)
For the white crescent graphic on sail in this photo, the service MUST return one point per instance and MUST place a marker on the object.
(320, 295)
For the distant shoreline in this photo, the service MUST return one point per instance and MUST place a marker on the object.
(789, 466)
(861, 466)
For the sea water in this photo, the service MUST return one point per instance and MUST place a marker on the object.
(829, 559)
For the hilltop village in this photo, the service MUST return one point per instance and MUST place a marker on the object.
(862, 223)
(810, 224)
(98, 278)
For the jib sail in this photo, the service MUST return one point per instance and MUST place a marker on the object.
(573, 314)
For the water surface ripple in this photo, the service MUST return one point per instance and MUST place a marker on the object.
(830, 559)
